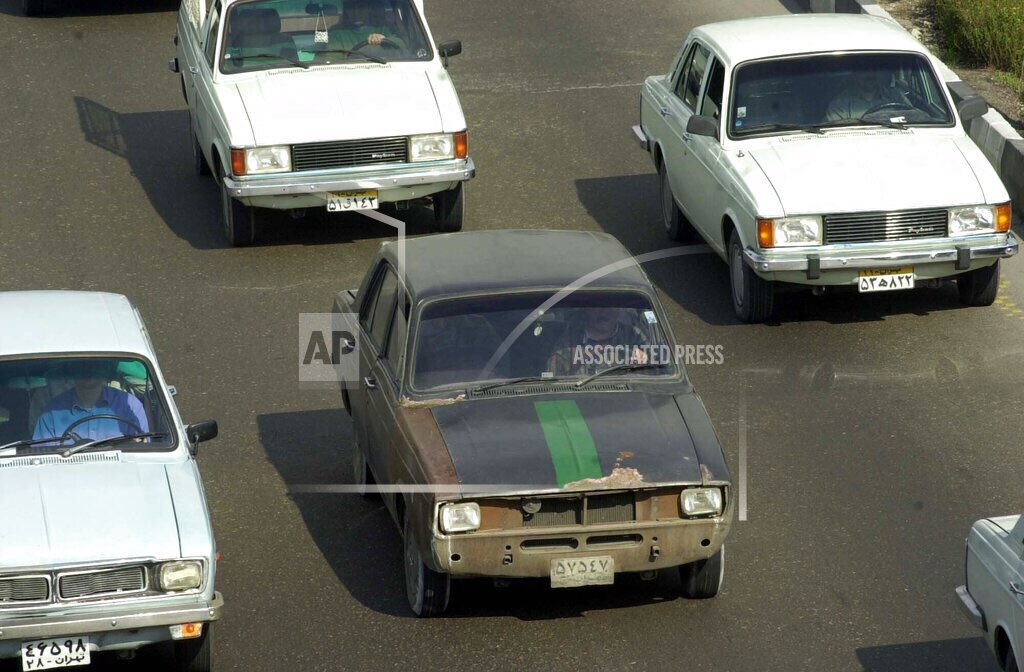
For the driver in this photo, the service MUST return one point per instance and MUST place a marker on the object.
(362, 21)
(866, 90)
(91, 396)
(599, 329)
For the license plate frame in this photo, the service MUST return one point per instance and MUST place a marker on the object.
(872, 280)
(54, 654)
(593, 570)
(350, 201)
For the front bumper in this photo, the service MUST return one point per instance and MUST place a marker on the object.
(139, 617)
(971, 607)
(961, 253)
(290, 184)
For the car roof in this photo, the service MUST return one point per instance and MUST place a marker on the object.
(496, 261)
(747, 39)
(37, 322)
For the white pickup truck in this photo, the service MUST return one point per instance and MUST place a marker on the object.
(342, 105)
(993, 595)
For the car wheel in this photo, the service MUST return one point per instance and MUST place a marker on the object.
(450, 209)
(752, 297)
(426, 589)
(196, 655)
(199, 163)
(239, 219)
(1011, 662)
(361, 474)
(980, 286)
(676, 226)
(703, 579)
(33, 7)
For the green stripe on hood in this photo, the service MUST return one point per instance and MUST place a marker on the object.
(572, 448)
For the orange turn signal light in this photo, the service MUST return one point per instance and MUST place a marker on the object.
(1004, 216)
(238, 162)
(765, 233)
(186, 631)
(461, 145)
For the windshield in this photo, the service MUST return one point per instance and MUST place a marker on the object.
(262, 34)
(50, 404)
(584, 333)
(788, 94)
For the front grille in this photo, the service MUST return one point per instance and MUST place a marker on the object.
(556, 511)
(616, 508)
(874, 227)
(107, 582)
(24, 589)
(349, 153)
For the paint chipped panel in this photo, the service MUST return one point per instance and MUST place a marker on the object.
(620, 478)
(406, 402)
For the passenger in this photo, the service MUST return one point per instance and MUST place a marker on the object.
(865, 91)
(588, 339)
(92, 396)
(363, 22)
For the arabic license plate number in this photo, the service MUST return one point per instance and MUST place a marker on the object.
(591, 571)
(885, 279)
(345, 201)
(48, 654)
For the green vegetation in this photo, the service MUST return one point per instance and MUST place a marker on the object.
(986, 32)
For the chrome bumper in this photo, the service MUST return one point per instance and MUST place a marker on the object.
(291, 184)
(971, 607)
(641, 137)
(44, 627)
(961, 253)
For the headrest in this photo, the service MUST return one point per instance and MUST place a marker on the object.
(256, 21)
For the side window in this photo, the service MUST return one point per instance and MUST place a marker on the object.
(210, 46)
(712, 104)
(372, 291)
(384, 304)
(396, 339)
(694, 76)
(683, 70)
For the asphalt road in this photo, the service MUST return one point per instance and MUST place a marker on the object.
(876, 429)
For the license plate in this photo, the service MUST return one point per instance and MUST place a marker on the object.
(344, 201)
(592, 571)
(49, 654)
(885, 279)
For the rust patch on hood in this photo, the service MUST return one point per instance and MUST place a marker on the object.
(705, 474)
(406, 402)
(621, 477)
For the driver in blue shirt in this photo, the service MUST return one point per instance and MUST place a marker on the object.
(92, 396)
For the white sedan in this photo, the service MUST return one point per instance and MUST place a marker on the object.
(824, 150)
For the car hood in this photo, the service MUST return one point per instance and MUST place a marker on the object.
(868, 171)
(338, 103)
(57, 514)
(582, 441)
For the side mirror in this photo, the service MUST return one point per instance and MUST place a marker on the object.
(449, 49)
(199, 432)
(172, 65)
(971, 108)
(702, 125)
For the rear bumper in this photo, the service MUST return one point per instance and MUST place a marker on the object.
(971, 608)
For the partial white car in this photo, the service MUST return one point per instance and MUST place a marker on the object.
(341, 104)
(106, 542)
(824, 150)
(993, 595)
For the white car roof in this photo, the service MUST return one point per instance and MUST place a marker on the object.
(39, 322)
(763, 37)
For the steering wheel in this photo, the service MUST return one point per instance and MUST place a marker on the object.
(99, 416)
(386, 43)
(884, 106)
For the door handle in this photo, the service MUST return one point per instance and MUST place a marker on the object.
(664, 112)
(1016, 588)
(687, 138)
(194, 69)
(371, 382)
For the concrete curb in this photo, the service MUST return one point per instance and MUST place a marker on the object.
(1003, 146)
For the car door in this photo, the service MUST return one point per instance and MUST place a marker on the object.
(702, 187)
(202, 72)
(368, 353)
(678, 107)
(384, 398)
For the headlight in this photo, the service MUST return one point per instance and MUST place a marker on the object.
(259, 160)
(462, 517)
(789, 231)
(979, 219)
(431, 147)
(701, 501)
(181, 575)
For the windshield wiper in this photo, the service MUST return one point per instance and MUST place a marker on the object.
(109, 440)
(806, 128)
(14, 445)
(349, 52)
(514, 381)
(620, 367)
(297, 63)
(863, 122)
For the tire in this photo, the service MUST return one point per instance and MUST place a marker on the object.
(450, 209)
(361, 474)
(703, 579)
(196, 655)
(980, 286)
(1011, 662)
(239, 220)
(33, 7)
(199, 164)
(753, 298)
(426, 589)
(676, 226)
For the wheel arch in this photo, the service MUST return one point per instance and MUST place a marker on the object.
(1001, 645)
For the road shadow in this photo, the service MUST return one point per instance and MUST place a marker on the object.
(627, 206)
(57, 9)
(157, 149)
(361, 543)
(947, 655)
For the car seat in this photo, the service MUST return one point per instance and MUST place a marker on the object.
(256, 31)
